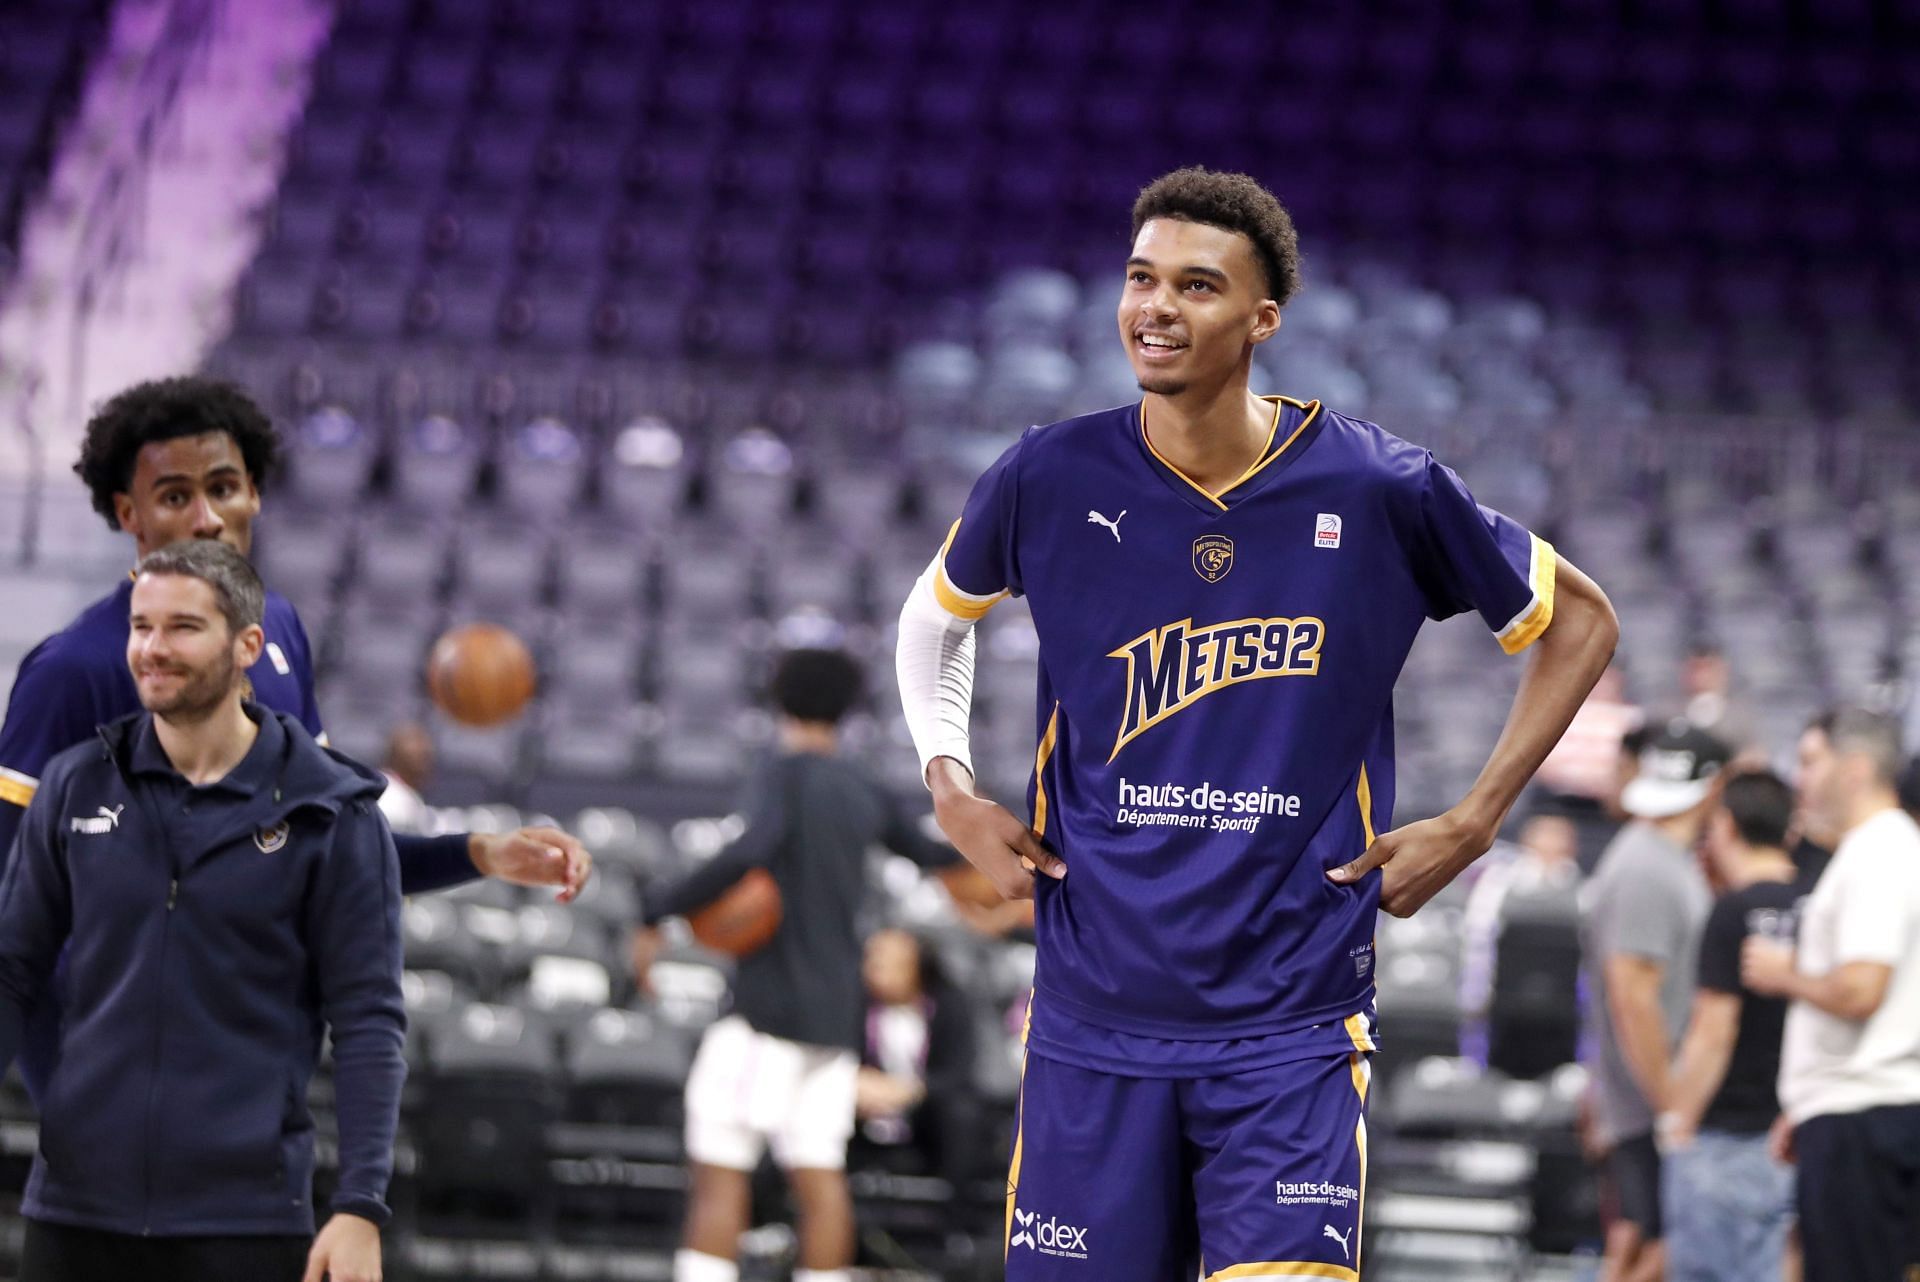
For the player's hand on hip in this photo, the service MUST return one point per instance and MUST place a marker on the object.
(347, 1250)
(1417, 861)
(991, 837)
(534, 857)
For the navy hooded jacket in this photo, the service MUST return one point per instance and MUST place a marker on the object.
(212, 935)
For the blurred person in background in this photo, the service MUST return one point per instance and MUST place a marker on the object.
(1707, 697)
(1728, 1203)
(1541, 864)
(915, 1089)
(224, 894)
(1850, 1060)
(1592, 762)
(1641, 918)
(781, 1070)
(188, 458)
(408, 766)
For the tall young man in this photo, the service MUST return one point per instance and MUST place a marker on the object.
(1850, 1061)
(167, 461)
(1225, 587)
(1726, 1202)
(225, 892)
(781, 1068)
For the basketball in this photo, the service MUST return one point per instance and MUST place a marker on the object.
(742, 920)
(968, 885)
(480, 674)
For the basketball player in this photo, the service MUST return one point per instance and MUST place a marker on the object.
(781, 1068)
(185, 458)
(225, 891)
(1225, 587)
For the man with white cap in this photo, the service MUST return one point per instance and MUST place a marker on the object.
(1642, 914)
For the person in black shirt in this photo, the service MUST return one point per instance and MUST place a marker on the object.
(1728, 1204)
(780, 1069)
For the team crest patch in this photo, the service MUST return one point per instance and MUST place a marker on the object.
(271, 839)
(1212, 556)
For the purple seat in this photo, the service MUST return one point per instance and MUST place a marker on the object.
(855, 177)
(695, 91)
(605, 88)
(583, 160)
(522, 81)
(669, 168)
(439, 75)
(499, 157)
(775, 102)
(411, 151)
(768, 174)
(353, 72)
(476, 234)
(387, 228)
(659, 240)
(860, 107)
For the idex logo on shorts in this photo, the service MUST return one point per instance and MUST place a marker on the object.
(1049, 1236)
(101, 824)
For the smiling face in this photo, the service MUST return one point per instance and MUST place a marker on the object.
(185, 660)
(1194, 306)
(190, 487)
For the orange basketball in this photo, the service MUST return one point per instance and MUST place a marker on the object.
(968, 885)
(743, 919)
(480, 674)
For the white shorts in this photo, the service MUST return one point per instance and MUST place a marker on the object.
(748, 1090)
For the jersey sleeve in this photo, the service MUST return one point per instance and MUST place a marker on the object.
(303, 668)
(1474, 558)
(50, 710)
(978, 565)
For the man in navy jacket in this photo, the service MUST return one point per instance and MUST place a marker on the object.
(226, 893)
(189, 458)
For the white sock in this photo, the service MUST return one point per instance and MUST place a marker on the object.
(822, 1275)
(697, 1266)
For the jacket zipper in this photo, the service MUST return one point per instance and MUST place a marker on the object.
(159, 1028)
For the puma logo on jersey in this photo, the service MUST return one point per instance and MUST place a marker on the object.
(1172, 668)
(1094, 518)
(1341, 1238)
(106, 821)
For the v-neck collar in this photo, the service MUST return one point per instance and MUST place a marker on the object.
(1212, 502)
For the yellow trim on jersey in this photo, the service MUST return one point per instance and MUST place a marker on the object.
(1040, 759)
(1267, 452)
(1527, 626)
(1313, 412)
(1019, 1136)
(1361, 1036)
(960, 604)
(1285, 1269)
(17, 788)
(1364, 794)
(1362, 1075)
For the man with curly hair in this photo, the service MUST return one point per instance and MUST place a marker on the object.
(186, 458)
(1225, 586)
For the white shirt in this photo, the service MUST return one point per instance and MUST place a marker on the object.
(1866, 908)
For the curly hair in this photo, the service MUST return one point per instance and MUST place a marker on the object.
(817, 685)
(163, 410)
(1231, 202)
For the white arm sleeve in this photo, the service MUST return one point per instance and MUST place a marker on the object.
(934, 664)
